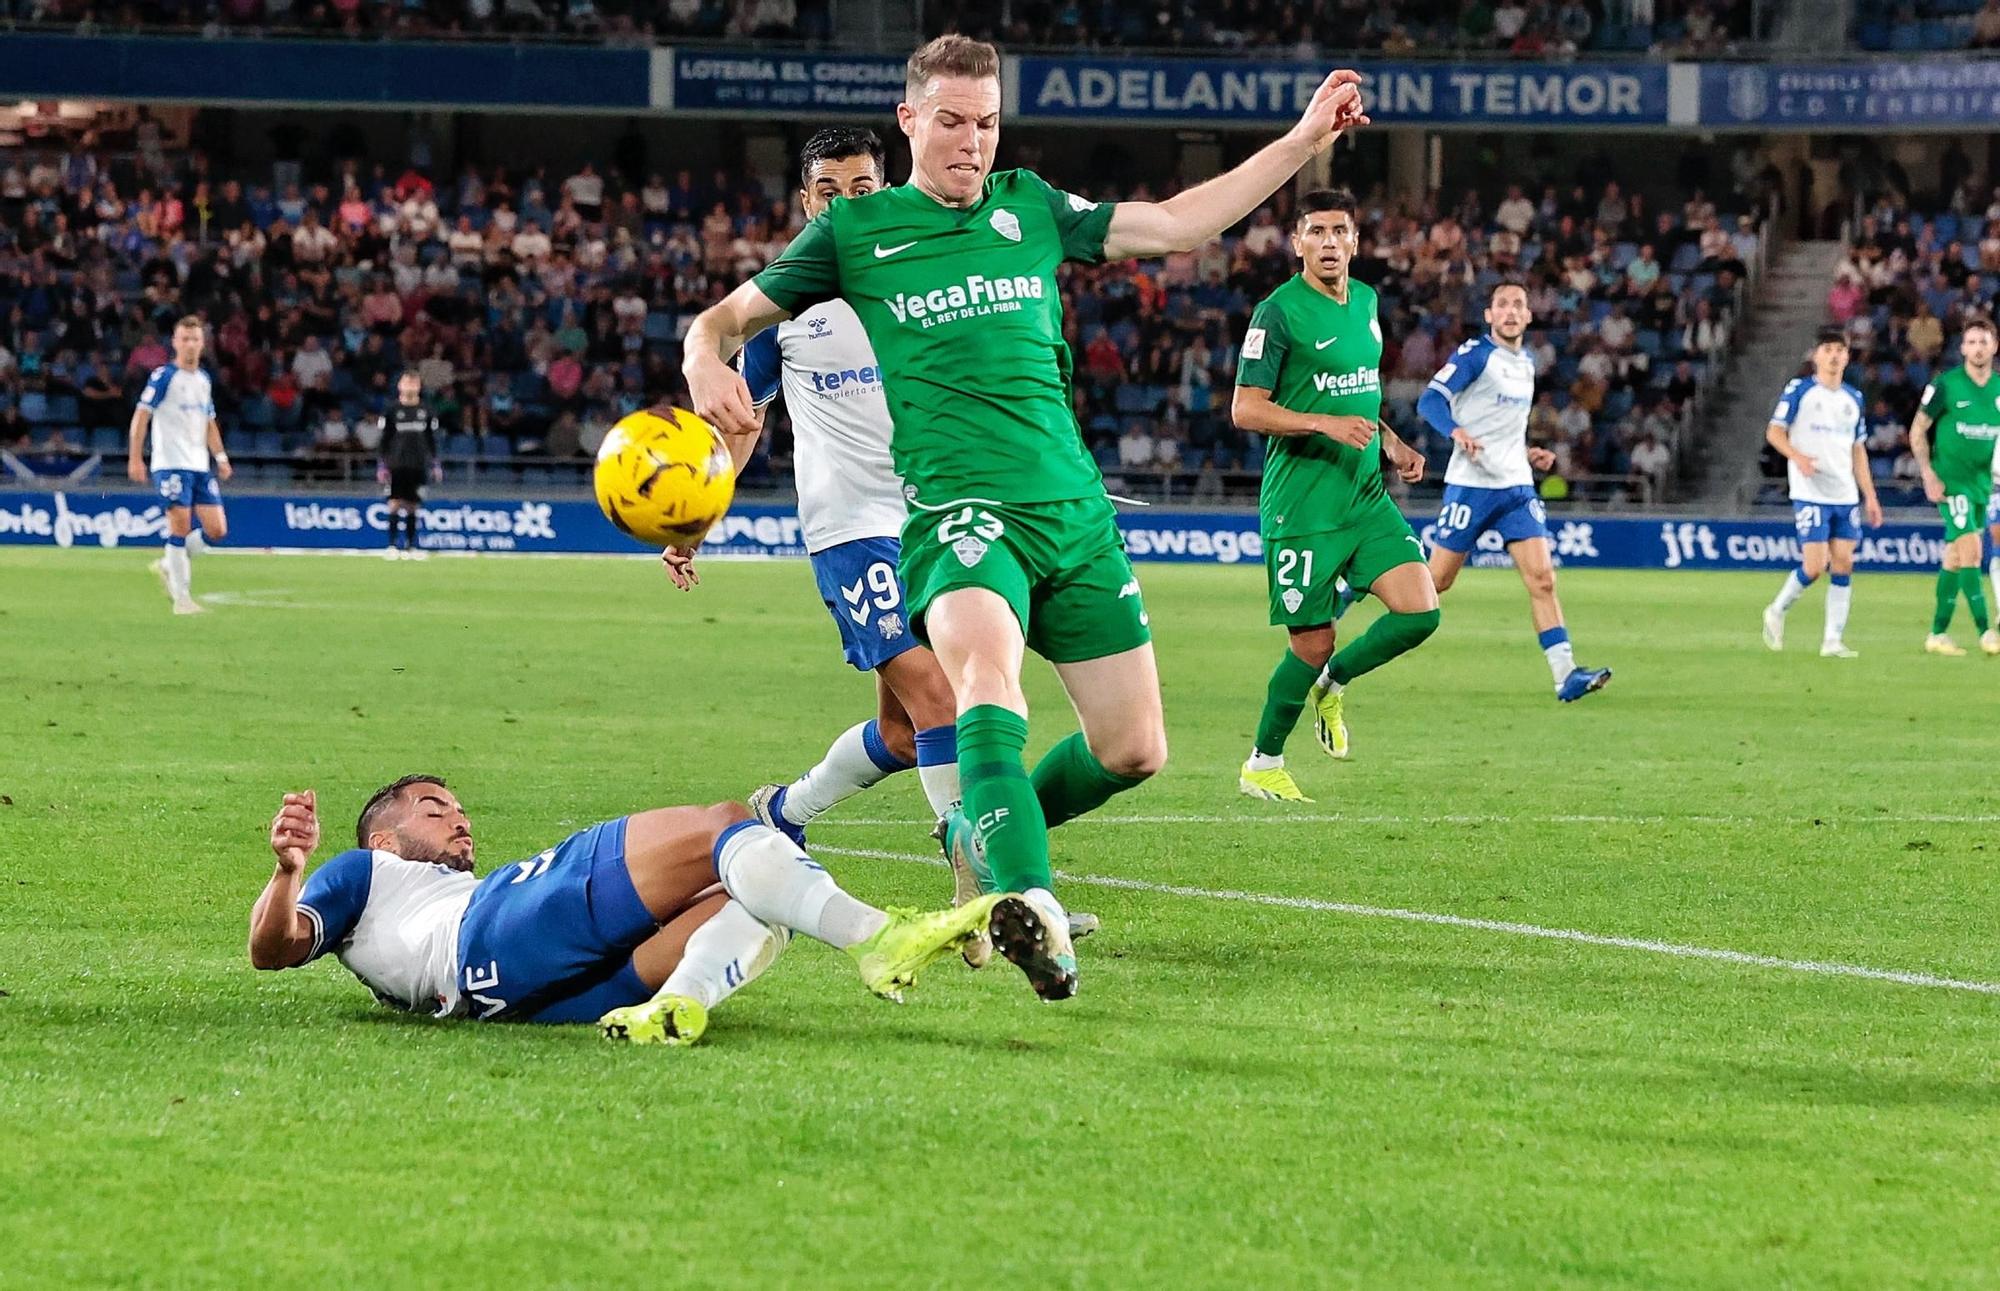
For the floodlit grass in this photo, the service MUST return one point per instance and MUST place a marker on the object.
(1242, 1095)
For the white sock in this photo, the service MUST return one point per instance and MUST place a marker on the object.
(724, 955)
(1046, 904)
(175, 561)
(1795, 586)
(1562, 659)
(937, 767)
(1838, 596)
(196, 543)
(779, 884)
(855, 761)
(1265, 761)
(1326, 681)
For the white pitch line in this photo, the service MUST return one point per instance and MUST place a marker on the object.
(1674, 949)
(1488, 818)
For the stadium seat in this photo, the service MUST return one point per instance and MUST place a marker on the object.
(106, 439)
(460, 445)
(268, 443)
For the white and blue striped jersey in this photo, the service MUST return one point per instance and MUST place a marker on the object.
(393, 923)
(847, 481)
(1825, 423)
(1487, 389)
(182, 404)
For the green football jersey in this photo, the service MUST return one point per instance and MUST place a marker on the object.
(962, 308)
(1965, 420)
(1316, 355)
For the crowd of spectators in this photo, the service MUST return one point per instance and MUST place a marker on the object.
(1906, 26)
(1633, 309)
(1399, 28)
(1902, 292)
(539, 309)
(625, 21)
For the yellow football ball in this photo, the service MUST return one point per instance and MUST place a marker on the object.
(664, 477)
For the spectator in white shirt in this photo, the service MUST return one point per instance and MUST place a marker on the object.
(1516, 214)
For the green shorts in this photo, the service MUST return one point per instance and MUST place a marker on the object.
(1060, 566)
(1301, 570)
(1963, 507)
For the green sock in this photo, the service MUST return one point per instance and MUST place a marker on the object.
(1284, 700)
(999, 798)
(1947, 601)
(1974, 588)
(1386, 637)
(1069, 780)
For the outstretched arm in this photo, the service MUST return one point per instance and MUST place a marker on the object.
(1186, 220)
(281, 937)
(716, 389)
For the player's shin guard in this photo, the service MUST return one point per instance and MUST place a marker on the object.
(724, 955)
(1069, 781)
(1795, 586)
(1556, 649)
(1839, 595)
(937, 767)
(1000, 800)
(1284, 700)
(858, 759)
(779, 884)
(1975, 596)
(1947, 601)
(175, 561)
(1391, 635)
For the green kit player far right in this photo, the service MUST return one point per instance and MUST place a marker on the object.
(1309, 376)
(1952, 438)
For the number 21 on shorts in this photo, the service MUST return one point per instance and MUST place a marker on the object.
(1292, 562)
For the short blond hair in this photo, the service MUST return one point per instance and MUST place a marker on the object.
(950, 55)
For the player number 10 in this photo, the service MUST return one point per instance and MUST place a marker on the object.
(1961, 509)
(1290, 562)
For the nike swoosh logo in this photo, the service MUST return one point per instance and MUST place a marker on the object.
(883, 253)
(1328, 341)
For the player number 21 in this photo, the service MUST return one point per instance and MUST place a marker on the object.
(1290, 562)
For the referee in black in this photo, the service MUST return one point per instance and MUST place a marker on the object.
(409, 461)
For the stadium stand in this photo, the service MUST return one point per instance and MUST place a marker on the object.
(615, 21)
(1544, 29)
(1902, 27)
(539, 309)
(1902, 292)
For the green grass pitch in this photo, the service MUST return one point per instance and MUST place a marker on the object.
(1243, 1095)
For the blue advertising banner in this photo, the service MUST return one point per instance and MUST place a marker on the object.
(574, 526)
(160, 69)
(1887, 94)
(742, 81)
(1216, 91)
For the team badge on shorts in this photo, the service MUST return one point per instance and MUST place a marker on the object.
(890, 626)
(1007, 225)
(969, 550)
(1293, 598)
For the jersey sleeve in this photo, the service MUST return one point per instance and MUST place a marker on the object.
(1787, 410)
(1932, 405)
(761, 363)
(208, 399)
(1461, 369)
(1860, 413)
(156, 387)
(1264, 347)
(333, 898)
(808, 271)
(1081, 223)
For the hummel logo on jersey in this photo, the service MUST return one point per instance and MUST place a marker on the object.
(1963, 403)
(1323, 344)
(883, 253)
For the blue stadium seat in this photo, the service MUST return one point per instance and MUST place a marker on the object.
(268, 443)
(1906, 37)
(106, 439)
(460, 445)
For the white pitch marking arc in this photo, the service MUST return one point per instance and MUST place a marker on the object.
(1676, 950)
